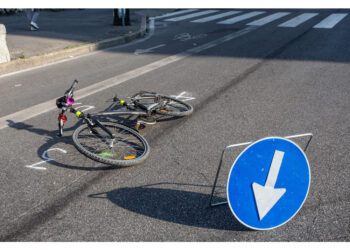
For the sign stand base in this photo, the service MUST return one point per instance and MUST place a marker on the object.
(211, 204)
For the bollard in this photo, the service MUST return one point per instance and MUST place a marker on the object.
(4, 52)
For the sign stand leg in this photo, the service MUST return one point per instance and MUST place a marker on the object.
(211, 204)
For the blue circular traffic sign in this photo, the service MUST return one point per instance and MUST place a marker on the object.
(268, 183)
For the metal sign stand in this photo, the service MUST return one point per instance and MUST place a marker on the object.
(211, 204)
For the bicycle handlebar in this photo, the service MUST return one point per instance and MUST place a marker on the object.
(66, 100)
(69, 92)
(63, 103)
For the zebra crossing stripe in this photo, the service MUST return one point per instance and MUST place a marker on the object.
(298, 20)
(269, 18)
(241, 17)
(330, 21)
(212, 18)
(175, 13)
(202, 13)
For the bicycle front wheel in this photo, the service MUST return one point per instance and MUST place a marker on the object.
(127, 148)
(173, 107)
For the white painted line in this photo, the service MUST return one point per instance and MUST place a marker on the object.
(181, 18)
(215, 17)
(34, 166)
(269, 18)
(175, 13)
(44, 107)
(46, 159)
(143, 51)
(330, 21)
(298, 20)
(241, 17)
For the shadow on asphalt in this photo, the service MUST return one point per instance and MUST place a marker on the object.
(176, 206)
(52, 139)
(90, 25)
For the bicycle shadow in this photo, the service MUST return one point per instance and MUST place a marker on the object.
(172, 205)
(53, 139)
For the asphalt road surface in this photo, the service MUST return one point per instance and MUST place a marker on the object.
(249, 75)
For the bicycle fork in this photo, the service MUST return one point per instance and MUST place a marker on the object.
(91, 124)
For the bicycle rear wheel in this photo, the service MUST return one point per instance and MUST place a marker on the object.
(173, 107)
(126, 149)
(170, 105)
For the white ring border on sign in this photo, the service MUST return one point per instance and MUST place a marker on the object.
(227, 186)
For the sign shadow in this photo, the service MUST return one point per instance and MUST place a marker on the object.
(173, 205)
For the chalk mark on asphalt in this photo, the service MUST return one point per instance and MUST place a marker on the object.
(46, 159)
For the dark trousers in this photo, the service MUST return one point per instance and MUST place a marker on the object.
(118, 20)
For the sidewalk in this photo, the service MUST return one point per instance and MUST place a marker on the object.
(66, 33)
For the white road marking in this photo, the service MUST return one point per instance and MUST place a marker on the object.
(215, 17)
(143, 51)
(269, 18)
(298, 20)
(330, 21)
(184, 96)
(187, 36)
(46, 159)
(175, 13)
(44, 107)
(241, 17)
(87, 107)
(181, 18)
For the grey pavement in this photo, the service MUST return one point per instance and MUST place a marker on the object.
(270, 81)
(66, 29)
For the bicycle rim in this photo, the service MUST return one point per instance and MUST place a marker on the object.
(174, 107)
(126, 149)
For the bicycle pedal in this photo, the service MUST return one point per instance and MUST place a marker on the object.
(146, 122)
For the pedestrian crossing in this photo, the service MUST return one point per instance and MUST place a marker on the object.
(253, 18)
(296, 21)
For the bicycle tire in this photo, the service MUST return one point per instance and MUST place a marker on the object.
(127, 153)
(174, 107)
(177, 107)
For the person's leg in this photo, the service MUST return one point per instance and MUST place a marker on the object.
(29, 14)
(116, 18)
(35, 16)
(127, 17)
(33, 23)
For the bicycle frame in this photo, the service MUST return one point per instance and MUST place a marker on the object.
(134, 107)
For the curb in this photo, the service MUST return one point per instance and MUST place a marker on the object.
(34, 61)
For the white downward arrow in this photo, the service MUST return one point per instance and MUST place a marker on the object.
(142, 51)
(267, 196)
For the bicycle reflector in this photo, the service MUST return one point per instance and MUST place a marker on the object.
(62, 117)
(78, 113)
(130, 157)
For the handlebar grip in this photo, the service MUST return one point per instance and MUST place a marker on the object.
(69, 92)
(77, 113)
